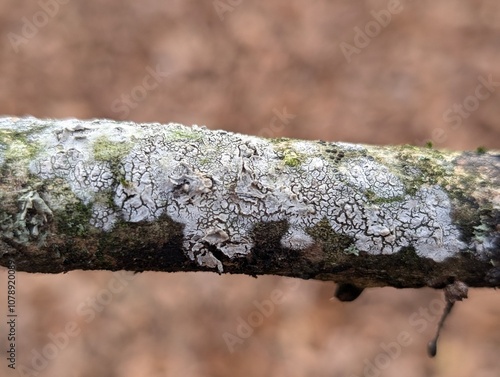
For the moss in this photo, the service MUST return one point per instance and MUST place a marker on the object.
(184, 134)
(469, 209)
(481, 150)
(205, 160)
(72, 216)
(17, 147)
(109, 151)
(106, 198)
(333, 243)
(113, 154)
(289, 156)
(374, 199)
(125, 183)
(74, 220)
(419, 167)
(279, 140)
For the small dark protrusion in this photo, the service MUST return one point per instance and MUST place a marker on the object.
(347, 292)
(432, 348)
(456, 291)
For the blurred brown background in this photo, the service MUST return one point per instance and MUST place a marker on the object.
(422, 75)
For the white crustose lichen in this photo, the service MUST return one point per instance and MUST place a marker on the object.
(219, 185)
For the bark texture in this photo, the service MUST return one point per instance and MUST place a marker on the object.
(111, 195)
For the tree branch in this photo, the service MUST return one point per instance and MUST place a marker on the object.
(117, 195)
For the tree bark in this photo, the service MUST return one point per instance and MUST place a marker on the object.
(111, 195)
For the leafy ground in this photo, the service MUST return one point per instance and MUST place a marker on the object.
(422, 76)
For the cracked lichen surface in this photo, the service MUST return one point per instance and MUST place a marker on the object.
(219, 185)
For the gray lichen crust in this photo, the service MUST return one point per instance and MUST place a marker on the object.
(219, 185)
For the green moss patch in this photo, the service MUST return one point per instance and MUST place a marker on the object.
(184, 134)
(290, 157)
(17, 148)
(333, 243)
(109, 151)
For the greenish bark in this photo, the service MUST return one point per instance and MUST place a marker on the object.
(117, 195)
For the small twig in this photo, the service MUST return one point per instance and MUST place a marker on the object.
(453, 293)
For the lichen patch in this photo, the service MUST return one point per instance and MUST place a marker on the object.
(220, 185)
